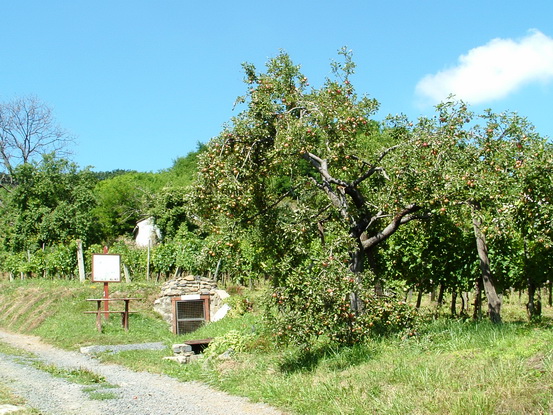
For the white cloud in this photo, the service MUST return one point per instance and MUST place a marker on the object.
(492, 71)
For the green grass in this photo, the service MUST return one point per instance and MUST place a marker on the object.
(54, 310)
(449, 367)
(14, 351)
(100, 395)
(80, 376)
(98, 387)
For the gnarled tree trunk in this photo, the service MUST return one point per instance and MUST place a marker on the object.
(494, 302)
(419, 298)
(477, 304)
(453, 307)
(357, 267)
(533, 306)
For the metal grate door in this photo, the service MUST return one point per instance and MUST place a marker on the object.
(189, 315)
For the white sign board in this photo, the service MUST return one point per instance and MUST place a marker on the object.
(106, 268)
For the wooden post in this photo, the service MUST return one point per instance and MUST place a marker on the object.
(148, 264)
(127, 273)
(80, 261)
(106, 292)
(217, 270)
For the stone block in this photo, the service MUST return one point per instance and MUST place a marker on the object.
(181, 348)
(10, 409)
(178, 359)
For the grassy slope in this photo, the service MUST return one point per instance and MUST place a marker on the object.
(450, 368)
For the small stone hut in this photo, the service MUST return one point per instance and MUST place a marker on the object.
(189, 301)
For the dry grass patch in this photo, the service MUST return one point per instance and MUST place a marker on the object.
(28, 310)
(20, 305)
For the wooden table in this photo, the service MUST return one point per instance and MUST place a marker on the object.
(124, 313)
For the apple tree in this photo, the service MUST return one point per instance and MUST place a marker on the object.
(303, 175)
(430, 254)
(482, 176)
(530, 214)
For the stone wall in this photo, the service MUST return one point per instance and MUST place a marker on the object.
(190, 285)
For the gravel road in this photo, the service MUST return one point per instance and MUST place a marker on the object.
(137, 393)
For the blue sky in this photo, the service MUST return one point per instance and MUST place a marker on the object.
(140, 83)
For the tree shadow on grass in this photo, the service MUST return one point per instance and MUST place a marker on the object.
(334, 358)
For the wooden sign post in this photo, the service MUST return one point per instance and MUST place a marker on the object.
(106, 268)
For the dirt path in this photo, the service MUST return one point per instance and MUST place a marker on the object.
(137, 393)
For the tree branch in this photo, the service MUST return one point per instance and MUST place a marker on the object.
(401, 218)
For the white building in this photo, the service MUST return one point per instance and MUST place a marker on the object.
(147, 233)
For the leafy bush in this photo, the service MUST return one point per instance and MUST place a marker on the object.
(164, 258)
(233, 341)
(384, 316)
(57, 261)
(11, 262)
(317, 301)
(239, 305)
(62, 260)
(133, 257)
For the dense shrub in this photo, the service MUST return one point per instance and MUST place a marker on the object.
(317, 301)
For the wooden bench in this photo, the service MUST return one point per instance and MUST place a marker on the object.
(99, 312)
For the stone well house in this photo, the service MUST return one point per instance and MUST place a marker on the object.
(189, 301)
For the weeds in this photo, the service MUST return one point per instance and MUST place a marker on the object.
(80, 376)
(97, 384)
